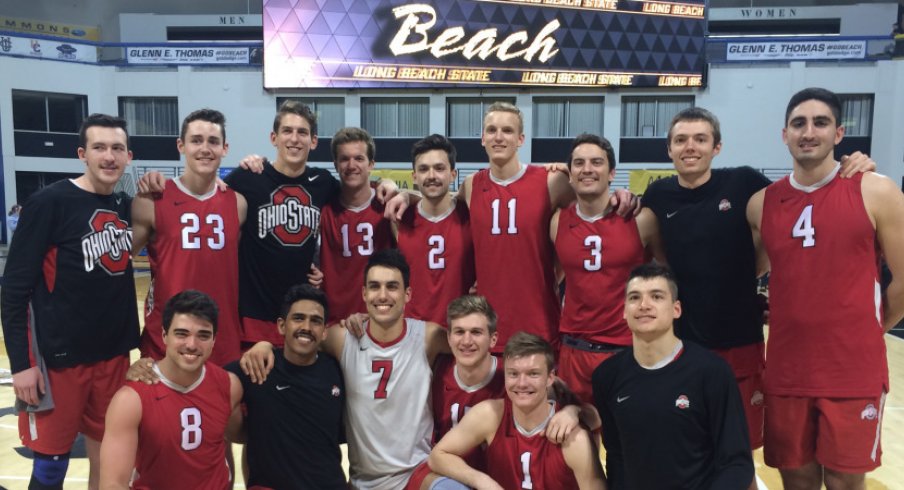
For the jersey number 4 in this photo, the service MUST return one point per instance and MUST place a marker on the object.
(384, 367)
(191, 240)
(191, 428)
(803, 228)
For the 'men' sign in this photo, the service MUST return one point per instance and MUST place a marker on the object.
(398, 43)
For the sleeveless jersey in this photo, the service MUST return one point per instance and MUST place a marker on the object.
(516, 460)
(825, 337)
(348, 238)
(513, 253)
(388, 418)
(452, 400)
(441, 256)
(597, 257)
(195, 246)
(181, 439)
(70, 272)
(279, 238)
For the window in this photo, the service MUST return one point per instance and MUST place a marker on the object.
(330, 113)
(150, 116)
(466, 115)
(396, 117)
(857, 114)
(559, 117)
(48, 112)
(649, 117)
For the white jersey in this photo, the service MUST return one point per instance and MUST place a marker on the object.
(388, 417)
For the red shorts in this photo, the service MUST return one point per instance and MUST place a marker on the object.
(81, 395)
(255, 330)
(842, 434)
(576, 369)
(747, 363)
(418, 476)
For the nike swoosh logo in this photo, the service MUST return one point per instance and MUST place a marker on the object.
(179, 203)
(622, 398)
(313, 178)
(280, 388)
(161, 397)
(669, 215)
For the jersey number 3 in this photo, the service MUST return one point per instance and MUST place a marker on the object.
(803, 228)
(384, 367)
(191, 428)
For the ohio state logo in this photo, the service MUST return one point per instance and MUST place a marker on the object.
(108, 245)
(290, 217)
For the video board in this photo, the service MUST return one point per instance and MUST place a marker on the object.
(486, 43)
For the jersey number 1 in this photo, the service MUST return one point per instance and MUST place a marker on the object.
(526, 483)
(804, 227)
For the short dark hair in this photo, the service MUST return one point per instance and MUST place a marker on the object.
(434, 142)
(210, 115)
(593, 140)
(194, 303)
(391, 258)
(468, 304)
(652, 270)
(104, 121)
(825, 96)
(523, 344)
(301, 292)
(696, 114)
(351, 135)
(291, 106)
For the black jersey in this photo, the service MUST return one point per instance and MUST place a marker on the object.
(294, 424)
(709, 245)
(279, 237)
(681, 426)
(71, 262)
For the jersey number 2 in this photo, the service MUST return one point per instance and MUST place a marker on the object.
(384, 367)
(191, 428)
(804, 227)
(435, 259)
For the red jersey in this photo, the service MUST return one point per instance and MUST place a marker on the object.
(181, 439)
(516, 460)
(452, 399)
(825, 335)
(597, 256)
(348, 237)
(513, 253)
(195, 246)
(441, 256)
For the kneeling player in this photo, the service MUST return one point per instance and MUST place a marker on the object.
(173, 432)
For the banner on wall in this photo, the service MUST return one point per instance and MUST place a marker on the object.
(48, 50)
(58, 29)
(201, 55)
(796, 50)
(442, 43)
(402, 178)
(639, 180)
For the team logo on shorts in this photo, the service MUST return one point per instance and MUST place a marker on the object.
(757, 398)
(335, 391)
(869, 413)
(108, 244)
(682, 402)
(290, 217)
(724, 205)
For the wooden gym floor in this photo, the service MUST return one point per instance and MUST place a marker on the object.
(15, 462)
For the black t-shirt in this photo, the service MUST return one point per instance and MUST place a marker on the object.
(294, 424)
(709, 246)
(279, 237)
(71, 260)
(679, 426)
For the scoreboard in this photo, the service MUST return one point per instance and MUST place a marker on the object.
(483, 43)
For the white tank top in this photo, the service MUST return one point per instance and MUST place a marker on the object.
(388, 417)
